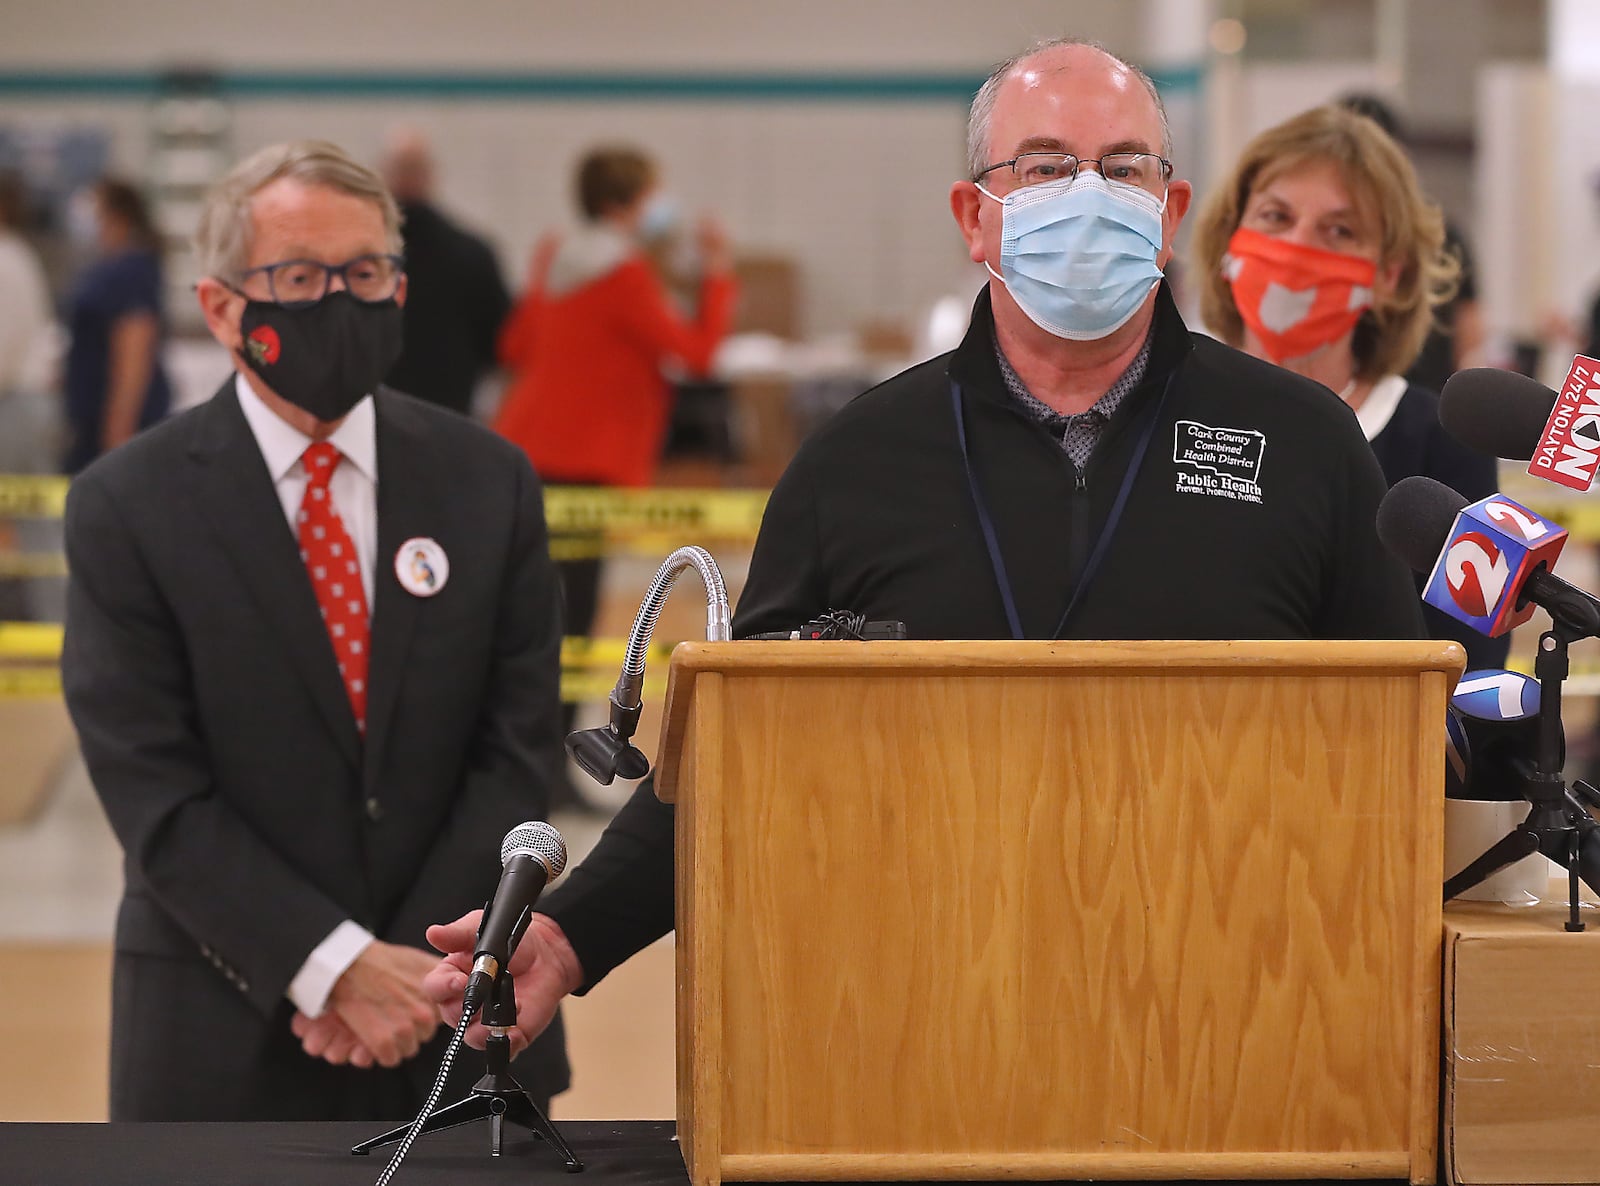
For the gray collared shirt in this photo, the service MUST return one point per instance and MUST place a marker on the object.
(1080, 433)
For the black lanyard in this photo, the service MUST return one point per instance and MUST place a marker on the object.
(1147, 432)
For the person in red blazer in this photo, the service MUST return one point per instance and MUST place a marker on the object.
(589, 342)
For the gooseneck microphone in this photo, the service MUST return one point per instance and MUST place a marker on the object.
(532, 855)
(608, 751)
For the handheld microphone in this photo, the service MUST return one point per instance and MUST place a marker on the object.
(532, 855)
(1488, 562)
(1497, 713)
(1510, 415)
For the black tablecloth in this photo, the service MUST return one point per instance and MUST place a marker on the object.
(614, 1153)
(623, 1153)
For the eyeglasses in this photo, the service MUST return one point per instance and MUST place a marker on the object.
(299, 283)
(1142, 170)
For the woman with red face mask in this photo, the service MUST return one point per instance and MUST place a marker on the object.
(1319, 252)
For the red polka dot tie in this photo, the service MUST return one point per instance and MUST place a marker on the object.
(335, 571)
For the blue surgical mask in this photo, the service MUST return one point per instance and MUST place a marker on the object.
(1079, 256)
(659, 217)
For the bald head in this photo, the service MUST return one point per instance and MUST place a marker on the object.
(407, 165)
(1066, 65)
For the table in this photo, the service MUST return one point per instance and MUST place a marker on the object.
(614, 1153)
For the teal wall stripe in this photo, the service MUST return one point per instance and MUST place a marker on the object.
(588, 87)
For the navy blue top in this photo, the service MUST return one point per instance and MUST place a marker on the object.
(108, 289)
(1414, 442)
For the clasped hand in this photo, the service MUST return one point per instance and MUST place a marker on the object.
(377, 1013)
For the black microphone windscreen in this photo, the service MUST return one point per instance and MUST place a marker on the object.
(1414, 520)
(1497, 412)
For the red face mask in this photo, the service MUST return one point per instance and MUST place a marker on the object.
(1296, 299)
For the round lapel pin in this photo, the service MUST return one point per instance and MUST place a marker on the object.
(421, 566)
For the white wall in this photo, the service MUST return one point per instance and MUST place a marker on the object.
(548, 34)
(1516, 261)
(857, 191)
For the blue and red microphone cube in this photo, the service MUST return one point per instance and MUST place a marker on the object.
(1494, 545)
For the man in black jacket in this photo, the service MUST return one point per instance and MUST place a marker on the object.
(1080, 467)
(457, 299)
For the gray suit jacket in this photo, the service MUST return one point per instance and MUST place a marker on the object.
(216, 728)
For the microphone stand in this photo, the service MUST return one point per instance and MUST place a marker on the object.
(497, 1096)
(1559, 824)
(607, 751)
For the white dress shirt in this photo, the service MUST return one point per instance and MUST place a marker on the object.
(354, 490)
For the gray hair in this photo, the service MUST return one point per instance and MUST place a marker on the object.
(222, 240)
(983, 102)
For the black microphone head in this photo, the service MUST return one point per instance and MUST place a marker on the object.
(538, 840)
(1497, 412)
(1414, 520)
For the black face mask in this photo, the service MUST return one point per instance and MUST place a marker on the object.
(325, 357)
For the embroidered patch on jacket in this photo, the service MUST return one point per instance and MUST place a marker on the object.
(1221, 462)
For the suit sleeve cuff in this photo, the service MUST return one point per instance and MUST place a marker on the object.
(327, 962)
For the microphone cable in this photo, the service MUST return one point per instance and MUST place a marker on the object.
(432, 1101)
(838, 624)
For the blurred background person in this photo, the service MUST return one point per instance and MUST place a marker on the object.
(589, 340)
(588, 345)
(1456, 338)
(1319, 252)
(26, 342)
(114, 382)
(457, 299)
(29, 423)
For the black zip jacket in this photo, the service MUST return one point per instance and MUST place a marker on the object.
(1252, 516)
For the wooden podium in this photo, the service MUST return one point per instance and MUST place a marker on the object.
(1057, 910)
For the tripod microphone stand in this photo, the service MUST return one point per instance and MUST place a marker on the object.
(1559, 824)
(497, 1096)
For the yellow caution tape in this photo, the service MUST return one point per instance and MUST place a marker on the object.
(25, 565)
(585, 523)
(710, 514)
(577, 687)
(664, 516)
(42, 640)
(29, 652)
(29, 682)
(577, 651)
(1582, 520)
(31, 496)
(569, 510)
(30, 641)
(594, 687)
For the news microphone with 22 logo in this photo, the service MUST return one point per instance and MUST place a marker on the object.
(1494, 545)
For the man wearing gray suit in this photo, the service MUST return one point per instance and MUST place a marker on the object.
(312, 656)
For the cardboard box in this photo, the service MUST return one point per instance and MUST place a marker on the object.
(1521, 1043)
(769, 296)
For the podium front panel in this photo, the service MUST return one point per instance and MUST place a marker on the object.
(1094, 920)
